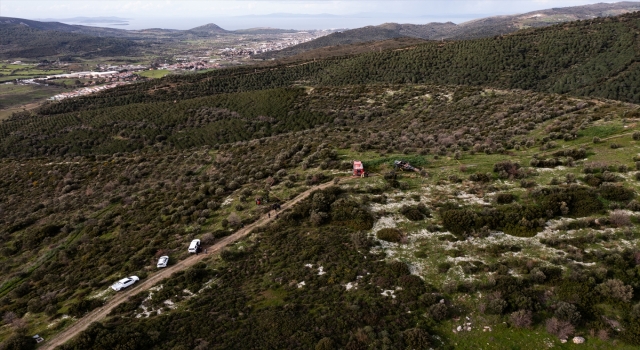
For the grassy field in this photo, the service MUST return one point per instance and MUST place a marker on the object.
(154, 73)
(14, 97)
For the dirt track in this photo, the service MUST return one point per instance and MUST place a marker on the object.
(152, 280)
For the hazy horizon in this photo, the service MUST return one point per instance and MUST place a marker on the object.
(245, 22)
(302, 15)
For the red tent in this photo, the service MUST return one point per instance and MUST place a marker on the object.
(357, 168)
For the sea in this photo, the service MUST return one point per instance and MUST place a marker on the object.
(297, 23)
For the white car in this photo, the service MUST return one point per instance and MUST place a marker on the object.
(194, 246)
(162, 262)
(124, 283)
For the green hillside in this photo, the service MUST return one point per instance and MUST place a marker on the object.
(20, 41)
(474, 29)
(518, 229)
(585, 58)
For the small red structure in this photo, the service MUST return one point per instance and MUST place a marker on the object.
(358, 169)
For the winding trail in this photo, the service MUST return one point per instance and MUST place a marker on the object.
(98, 314)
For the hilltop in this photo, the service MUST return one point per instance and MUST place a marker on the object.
(480, 28)
(208, 29)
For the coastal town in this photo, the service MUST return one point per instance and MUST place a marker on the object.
(85, 78)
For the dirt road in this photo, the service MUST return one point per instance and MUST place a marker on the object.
(152, 280)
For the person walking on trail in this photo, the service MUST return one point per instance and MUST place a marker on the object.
(205, 250)
(269, 213)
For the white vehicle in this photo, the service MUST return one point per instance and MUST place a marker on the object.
(124, 283)
(194, 246)
(162, 262)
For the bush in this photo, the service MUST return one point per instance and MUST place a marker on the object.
(389, 235)
(443, 267)
(18, 342)
(615, 289)
(84, 306)
(528, 183)
(438, 311)
(567, 312)
(521, 319)
(633, 205)
(416, 212)
(480, 177)
(416, 338)
(349, 213)
(505, 198)
(458, 221)
(559, 328)
(616, 193)
(495, 304)
(325, 344)
(508, 170)
(619, 218)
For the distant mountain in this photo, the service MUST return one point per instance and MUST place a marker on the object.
(24, 41)
(484, 27)
(69, 28)
(208, 29)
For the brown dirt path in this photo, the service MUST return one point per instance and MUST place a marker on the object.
(98, 314)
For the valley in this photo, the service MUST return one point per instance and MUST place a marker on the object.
(518, 227)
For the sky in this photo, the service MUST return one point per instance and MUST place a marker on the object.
(183, 14)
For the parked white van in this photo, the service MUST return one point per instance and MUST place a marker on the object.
(194, 246)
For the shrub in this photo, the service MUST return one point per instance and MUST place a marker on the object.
(349, 213)
(559, 328)
(18, 342)
(495, 304)
(593, 180)
(521, 319)
(83, 306)
(505, 198)
(567, 312)
(480, 177)
(443, 267)
(207, 238)
(508, 170)
(616, 193)
(412, 284)
(389, 235)
(634, 205)
(458, 221)
(438, 311)
(234, 220)
(416, 338)
(325, 344)
(398, 269)
(415, 213)
(220, 233)
(619, 218)
(615, 289)
(528, 183)
(636, 135)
